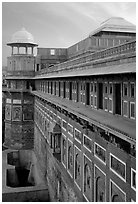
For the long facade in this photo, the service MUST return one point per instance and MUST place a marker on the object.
(84, 101)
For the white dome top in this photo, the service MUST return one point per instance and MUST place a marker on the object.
(22, 36)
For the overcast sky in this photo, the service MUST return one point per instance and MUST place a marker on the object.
(59, 24)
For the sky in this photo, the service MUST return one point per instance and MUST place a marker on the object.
(59, 24)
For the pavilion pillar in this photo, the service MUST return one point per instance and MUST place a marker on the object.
(18, 50)
(12, 50)
(32, 50)
(26, 50)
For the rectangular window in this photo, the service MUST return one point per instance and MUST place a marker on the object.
(110, 88)
(16, 101)
(81, 98)
(95, 101)
(110, 105)
(106, 88)
(133, 179)
(87, 142)
(52, 52)
(125, 106)
(100, 152)
(118, 167)
(64, 125)
(132, 90)
(77, 134)
(91, 100)
(91, 87)
(132, 110)
(125, 89)
(70, 129)
(95, 87)
(106, 104)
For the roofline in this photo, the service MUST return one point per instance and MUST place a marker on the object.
(21, 44)
(108, 70)
(130, 29)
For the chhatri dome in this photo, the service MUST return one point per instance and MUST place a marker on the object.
(22, 36)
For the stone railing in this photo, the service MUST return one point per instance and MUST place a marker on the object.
(20, 73)
(129, 47)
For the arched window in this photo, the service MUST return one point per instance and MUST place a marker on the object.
(100, 193)
(70, 157)
(115, 198)
(96, 185)
(87, 178)
(64, 150)
(77, 166)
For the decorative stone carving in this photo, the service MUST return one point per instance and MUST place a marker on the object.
(28, 129)
(7, 130)
(16, 129)
(8, 112)
(28, 113)
(17, 113)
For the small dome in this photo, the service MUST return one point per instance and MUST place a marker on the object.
(22, 36)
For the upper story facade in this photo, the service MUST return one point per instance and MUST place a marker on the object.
(99, 76)
(111, 33)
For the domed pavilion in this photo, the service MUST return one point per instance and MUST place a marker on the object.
(22, 38)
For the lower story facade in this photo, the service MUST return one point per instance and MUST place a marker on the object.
(79, 160)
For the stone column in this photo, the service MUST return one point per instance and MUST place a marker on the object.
(32, 50)
(26, 50)
(12, 50)
(18, 50)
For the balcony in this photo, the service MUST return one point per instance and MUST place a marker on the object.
(125, 129)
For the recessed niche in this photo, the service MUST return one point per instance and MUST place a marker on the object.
(18, 177)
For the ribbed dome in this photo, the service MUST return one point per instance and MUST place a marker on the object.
(22, 36)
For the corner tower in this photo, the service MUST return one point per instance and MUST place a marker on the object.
(19, 108)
